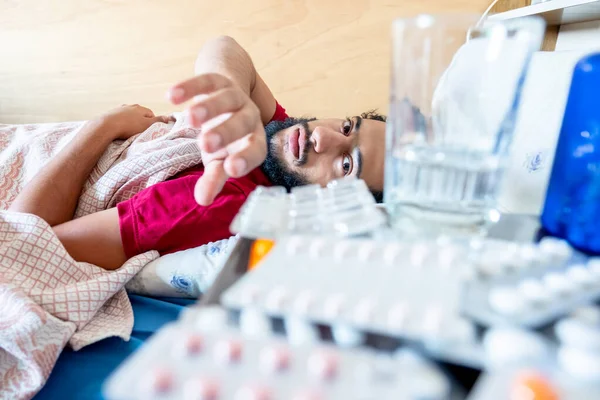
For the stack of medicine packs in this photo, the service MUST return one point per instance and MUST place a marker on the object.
(332, 313)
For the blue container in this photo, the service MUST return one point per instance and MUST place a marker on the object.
(572, 207)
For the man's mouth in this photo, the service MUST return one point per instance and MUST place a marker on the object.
(297, 142)
(293, 144)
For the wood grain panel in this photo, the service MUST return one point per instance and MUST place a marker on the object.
(507, 5)
(550, 38)
(72, 59)
(549, 43)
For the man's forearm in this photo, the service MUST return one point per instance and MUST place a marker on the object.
(223, 55)
(53, 193)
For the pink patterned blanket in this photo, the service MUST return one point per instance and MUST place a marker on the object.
(46, 298)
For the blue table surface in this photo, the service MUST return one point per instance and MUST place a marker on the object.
(80, 374)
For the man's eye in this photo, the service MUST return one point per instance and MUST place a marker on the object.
(347, 164)
(347, 127)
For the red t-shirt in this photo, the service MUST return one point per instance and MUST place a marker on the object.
(165, 217)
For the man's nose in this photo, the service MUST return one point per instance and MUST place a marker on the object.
(325, 138)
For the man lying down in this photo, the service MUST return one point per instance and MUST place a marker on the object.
(258, 144)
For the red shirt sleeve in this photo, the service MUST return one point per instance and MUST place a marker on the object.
(280, 114)
(165, 217)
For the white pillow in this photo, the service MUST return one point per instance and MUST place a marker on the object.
(187, 273)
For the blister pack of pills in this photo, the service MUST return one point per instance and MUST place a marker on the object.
(361, 286)
(432, 292)
(562, 363)
(345, 207)
(529, 285)
(203, 357)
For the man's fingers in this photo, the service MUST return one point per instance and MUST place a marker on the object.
(233, 128)
(246, 154)
(210, 183)
(223, 101)
(164, 118)
(201, 84)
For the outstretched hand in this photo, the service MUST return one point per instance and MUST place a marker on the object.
(232, 140)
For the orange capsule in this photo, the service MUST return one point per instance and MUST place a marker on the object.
(532, 385)
(260, 248)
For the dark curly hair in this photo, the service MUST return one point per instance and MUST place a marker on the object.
(374, 115)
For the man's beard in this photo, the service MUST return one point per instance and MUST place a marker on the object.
(274, 166)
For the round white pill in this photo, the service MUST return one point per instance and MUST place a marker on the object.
(558, 249)
(211, 319)
(366, 251)
(580, 364)
(494, 262)
(409, 358)
(316, 248)
(432, 321)
(476, 244)
(249, 295)
(491, 267)
(201, 389)
(334, 305)
(419, 253)
(345, 336)
(303, 302)
(594, 268)
(513, 260)
(323, 364)
(506, 346)
(276, 299)
(228, 351)
(364, 311)
(391, 254)
(342, 250)
(301, 331)
(589, 315)
(506, 300)
(375, 370)
(253, 392)
(535, 292)
(459, 330)
(254, 323)
(426, 383)
(398, 317)
(364, 372)
(450, 256)
(576, 333)
(275, 358)
(528, 255)
(294, 245)
(558, 283)
(580, 275)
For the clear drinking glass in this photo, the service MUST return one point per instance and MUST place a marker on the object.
(454, 96)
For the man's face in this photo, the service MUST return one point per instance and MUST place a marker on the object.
(305, 151)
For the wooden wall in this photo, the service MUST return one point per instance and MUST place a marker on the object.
(71, 59)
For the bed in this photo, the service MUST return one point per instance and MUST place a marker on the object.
(84, 68)
(81, 374)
